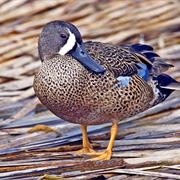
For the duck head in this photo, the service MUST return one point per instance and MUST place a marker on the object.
(63, 38)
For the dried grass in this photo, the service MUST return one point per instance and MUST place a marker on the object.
(148, 143)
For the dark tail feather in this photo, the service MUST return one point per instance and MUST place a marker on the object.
(166, 85)
(165, 80)
(160, 66)
(172, 86)
(144, 49)
(140, 47)
(150, 55)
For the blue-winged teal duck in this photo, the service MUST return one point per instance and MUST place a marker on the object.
(91, 83)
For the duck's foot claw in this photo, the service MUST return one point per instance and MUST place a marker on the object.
(106, 155)
(50, 177)
(41, 127)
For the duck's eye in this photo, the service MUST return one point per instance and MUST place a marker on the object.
(63, 36)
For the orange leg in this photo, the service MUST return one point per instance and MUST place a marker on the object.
(106, 155)
(87, 148)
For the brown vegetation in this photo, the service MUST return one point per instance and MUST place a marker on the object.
(148, 143)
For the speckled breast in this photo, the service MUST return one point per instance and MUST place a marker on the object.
(68, 90)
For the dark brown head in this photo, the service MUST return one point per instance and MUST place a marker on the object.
(63, 38)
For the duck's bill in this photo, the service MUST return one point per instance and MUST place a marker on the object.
(80, 54)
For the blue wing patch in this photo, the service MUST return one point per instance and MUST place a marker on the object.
(143, 71)
(123, 81)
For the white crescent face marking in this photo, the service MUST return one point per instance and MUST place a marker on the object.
(69, 44)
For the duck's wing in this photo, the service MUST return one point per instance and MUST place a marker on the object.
(147, 56)
(115, 59)
(128, 60)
